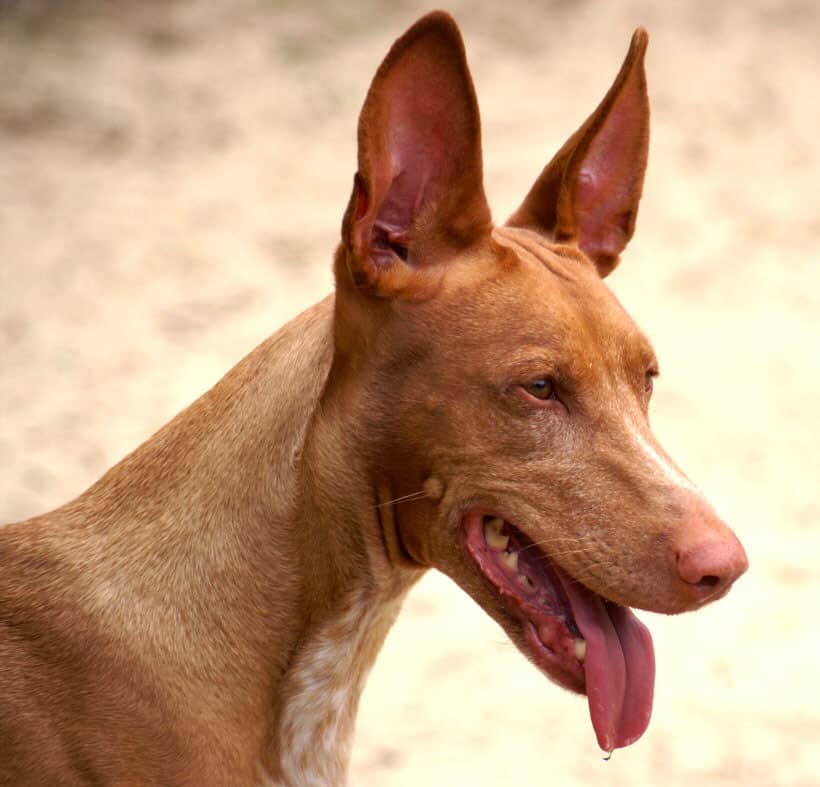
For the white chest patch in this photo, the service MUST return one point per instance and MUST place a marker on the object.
(322, 692)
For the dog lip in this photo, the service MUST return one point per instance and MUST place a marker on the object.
(542, 615)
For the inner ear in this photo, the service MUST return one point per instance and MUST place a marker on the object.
(590, 191)
(419, 188)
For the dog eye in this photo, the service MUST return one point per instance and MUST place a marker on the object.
(649, 380)
(541, 389)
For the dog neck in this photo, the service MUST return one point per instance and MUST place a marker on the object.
(321, 691)
(285, 590)
(276, 595)
(351, 593)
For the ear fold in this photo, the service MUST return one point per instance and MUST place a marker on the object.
(418, 192)
(589, 192)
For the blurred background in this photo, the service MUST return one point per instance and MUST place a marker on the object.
(172, 181)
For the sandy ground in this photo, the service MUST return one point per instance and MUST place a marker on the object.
(172, 178)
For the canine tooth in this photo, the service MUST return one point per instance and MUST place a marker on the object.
(526, 582)
(510, 559)
(580, 649)
(493, 534)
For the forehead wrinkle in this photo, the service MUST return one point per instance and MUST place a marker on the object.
(562, 261)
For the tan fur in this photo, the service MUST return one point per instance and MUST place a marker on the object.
(207, 612)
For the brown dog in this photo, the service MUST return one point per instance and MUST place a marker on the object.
(473, 399)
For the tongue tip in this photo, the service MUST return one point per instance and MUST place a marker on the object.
(605, 743)
(609, 740)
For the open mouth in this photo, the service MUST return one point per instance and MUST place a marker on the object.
(579, 639)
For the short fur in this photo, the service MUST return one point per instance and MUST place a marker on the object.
(207, 612)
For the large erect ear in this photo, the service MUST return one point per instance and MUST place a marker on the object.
(418, 194)
(589, 192)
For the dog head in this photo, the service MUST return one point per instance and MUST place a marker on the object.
(502, 392)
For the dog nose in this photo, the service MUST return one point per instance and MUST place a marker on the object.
(710, 567)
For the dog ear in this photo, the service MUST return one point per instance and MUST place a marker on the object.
(589, 193)
(418, 194)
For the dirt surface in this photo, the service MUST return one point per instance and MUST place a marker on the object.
(172, 179)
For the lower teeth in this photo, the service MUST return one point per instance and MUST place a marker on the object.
(580, 649)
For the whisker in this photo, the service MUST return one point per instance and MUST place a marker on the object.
(403, 499)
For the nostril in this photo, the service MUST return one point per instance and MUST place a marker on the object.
(709, 558)
(705, 567)
(710, 568)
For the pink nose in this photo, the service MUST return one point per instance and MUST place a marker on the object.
(710, 567)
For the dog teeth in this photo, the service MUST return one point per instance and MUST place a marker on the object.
(494, 534)
(509, 559)
(498, 540)
(580, 649)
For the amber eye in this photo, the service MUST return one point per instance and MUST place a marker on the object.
(649, 380)
(541, 389)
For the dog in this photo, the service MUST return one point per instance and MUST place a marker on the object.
(472, 399)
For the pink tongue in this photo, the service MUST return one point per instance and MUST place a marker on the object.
(619, 666)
